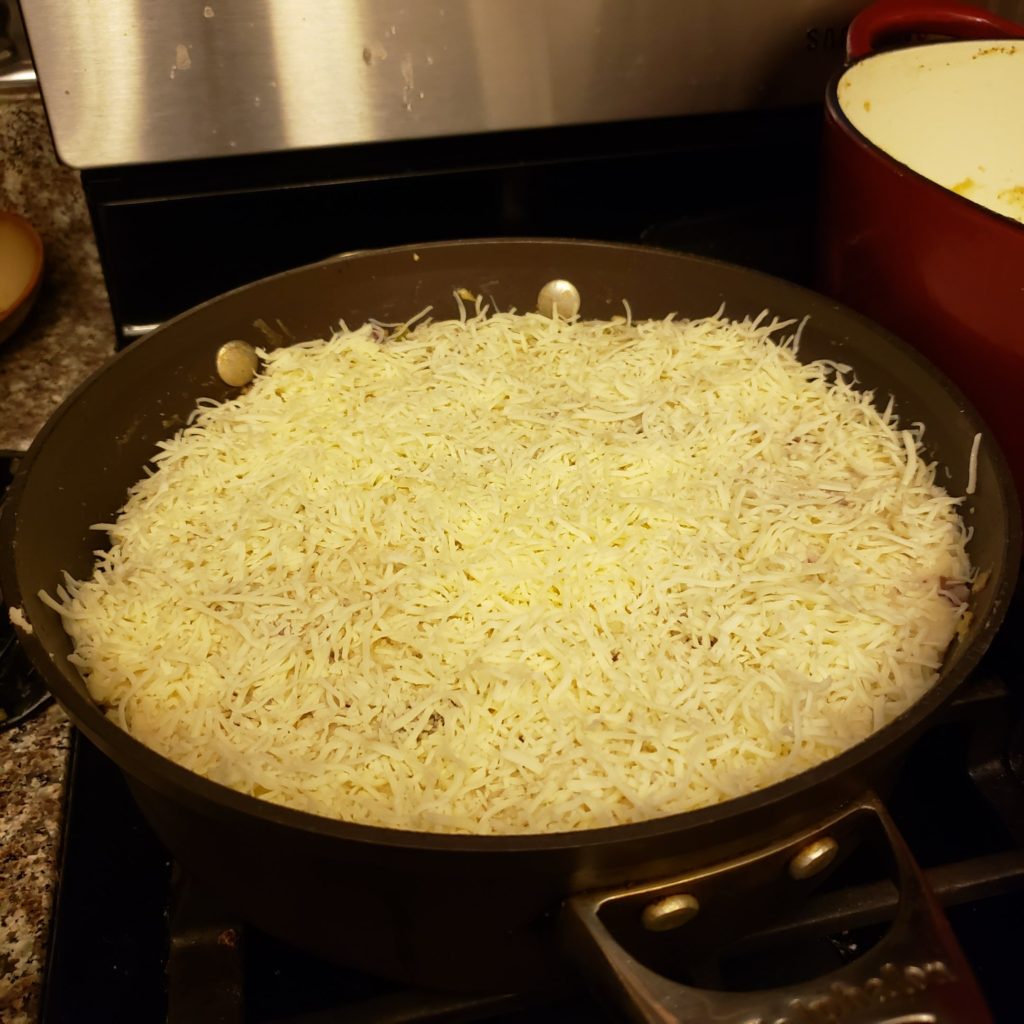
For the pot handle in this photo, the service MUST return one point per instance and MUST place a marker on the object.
(932, 17)
(915, 972)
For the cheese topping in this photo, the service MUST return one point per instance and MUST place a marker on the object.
(509, 574)
(16, 616)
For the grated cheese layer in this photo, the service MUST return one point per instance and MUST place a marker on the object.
(507, 574)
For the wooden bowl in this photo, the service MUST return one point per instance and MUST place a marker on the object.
(21, 271)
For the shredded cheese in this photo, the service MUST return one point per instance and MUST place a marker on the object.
(972, 466)
(509, 574)
(17, 617)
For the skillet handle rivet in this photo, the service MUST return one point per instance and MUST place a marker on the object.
(813, 858)
(559, 297)
(237, 363)
(670, 912)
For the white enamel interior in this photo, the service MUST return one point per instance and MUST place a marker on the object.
(953, 112)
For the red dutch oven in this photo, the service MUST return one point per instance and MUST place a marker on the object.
(923, 194)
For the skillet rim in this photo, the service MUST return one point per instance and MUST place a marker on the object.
(169, 779)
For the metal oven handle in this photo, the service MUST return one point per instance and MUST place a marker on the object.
(916, 974)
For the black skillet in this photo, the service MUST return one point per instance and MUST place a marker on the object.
(492, 913)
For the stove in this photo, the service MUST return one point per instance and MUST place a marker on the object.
(136, 940)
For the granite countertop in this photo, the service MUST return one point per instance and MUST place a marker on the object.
(68, 334)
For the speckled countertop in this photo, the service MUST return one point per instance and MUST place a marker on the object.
(32, 760)
(68, 334)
